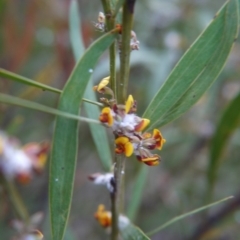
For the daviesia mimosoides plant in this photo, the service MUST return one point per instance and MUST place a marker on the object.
(191, 77)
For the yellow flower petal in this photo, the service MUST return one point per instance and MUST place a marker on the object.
(104, 82)
(159, 139)
(129, 103)
(152, 163)
(142, 125)
(106, 116)
(150, 159)
(128, 149)
(121, 140)
(35, 234)
(154, 160)
(146, 135)
(123, 145)
(1, 145)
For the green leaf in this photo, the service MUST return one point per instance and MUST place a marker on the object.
(4, 98)
(229, 121)
(18, 78)
(65, 144)
(197, 69)
(118, 5)
(98, 132)
(74, 30)
(239, 11)
(176, 219)
(129, 231)
(137, 192)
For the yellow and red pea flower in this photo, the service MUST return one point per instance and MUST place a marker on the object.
(38, 153)
(142, 125)
(103, 217)
(158, 138)
(153, 141)
(145, 156)
(123, 145)
(154, 160)
(106, 116)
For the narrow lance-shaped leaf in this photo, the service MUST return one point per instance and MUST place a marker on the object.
(129, 231)
(98, 132)
(178, 218)
(197, 69)
(8, 99)
(64, 149)
(238, 11)
(139, 184)
(229, 121)
(175, 96)
(18, 78)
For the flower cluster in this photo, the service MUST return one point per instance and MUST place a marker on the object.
(128, 128)
(21, 162)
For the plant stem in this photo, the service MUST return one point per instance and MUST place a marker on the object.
(120, 90)
(17, 201)
(110, 22)
(121, 93)
(93, 102)
(127, 21)
(114, 232)
(117, 195)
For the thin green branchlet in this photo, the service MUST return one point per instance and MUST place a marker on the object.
(119, 113)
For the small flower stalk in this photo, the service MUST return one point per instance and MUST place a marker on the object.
(128, 128)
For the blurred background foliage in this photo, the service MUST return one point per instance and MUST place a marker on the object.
(34, 42)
